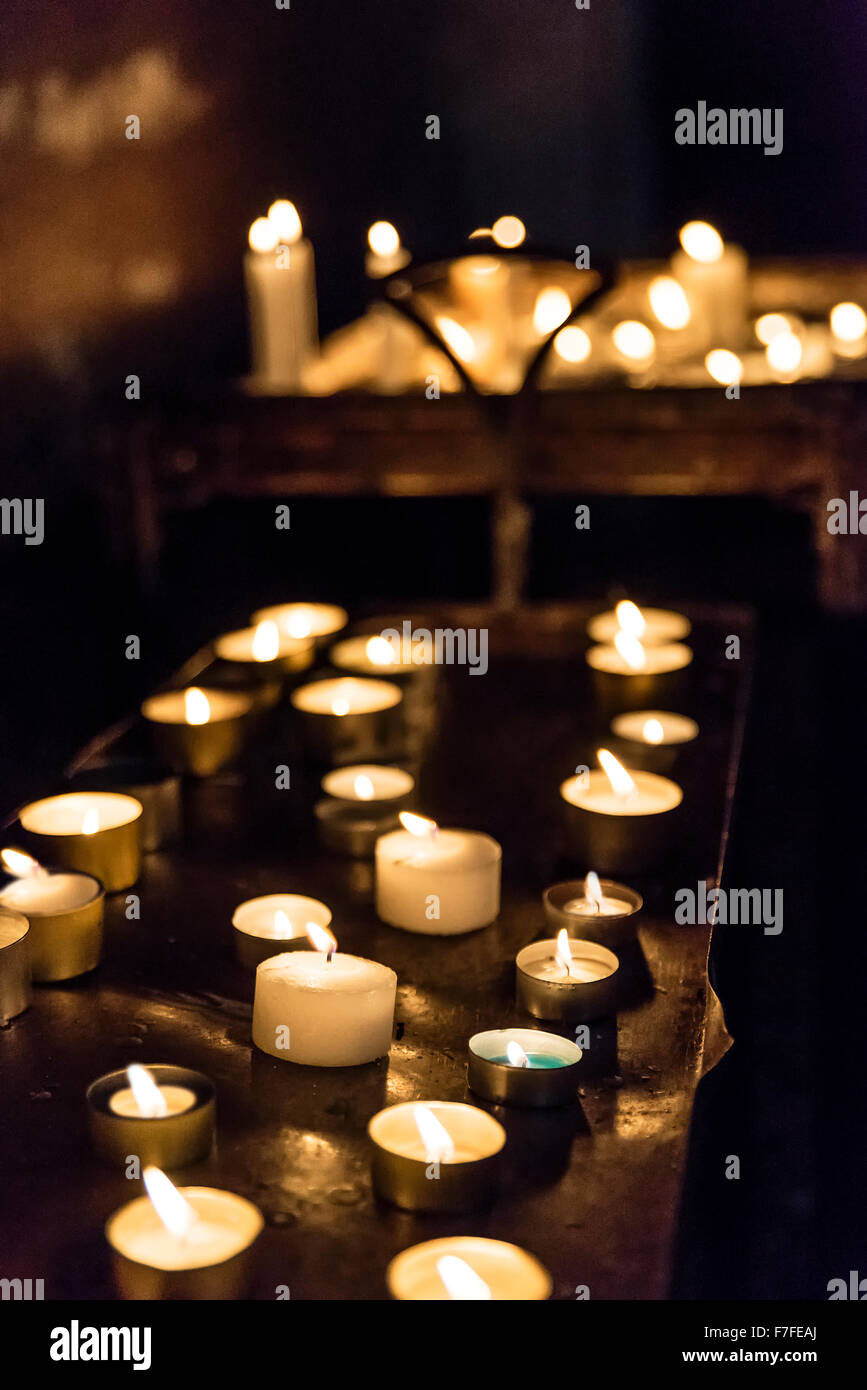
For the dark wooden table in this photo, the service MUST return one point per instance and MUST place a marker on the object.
(592, 1191)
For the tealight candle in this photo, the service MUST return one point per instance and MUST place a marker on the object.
(570, 980)
(275, 923)
(436, 1156)
(155, 785)
(361, 804)
(281, 293)
(652, 739)
(163, 1114)
(264, 651)
(323, 1008)
(618, 820)
(14, 964)
(628, 675)
(97, 833)
(714, 275)
(183, 1243)
(65, 912)
(519, 1066)
(599, 909)
(199, 730)
(372, 654)
(653, 627)
(467, 1268)
(317, 620)
(346, 718)
(437, 882)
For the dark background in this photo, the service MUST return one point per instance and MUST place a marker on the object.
(120, 257)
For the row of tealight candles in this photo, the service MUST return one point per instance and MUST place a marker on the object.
(317, 1006)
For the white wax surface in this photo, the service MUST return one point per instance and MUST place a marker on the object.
(672, 656)
(304, 619)
(662, 626)
(339, 1013)
(43, 896)
(11, 931)
(170, 706)
(238, 646)
(177, 1098)
(510, 1273)
(228, 1224)
(389, 783)
(474, 1133)
(351, 655)
(676, 728)
(65, 814)
(653, 794)
(541, 961)
(362, 696)
(717, 292)
(459, 869)
(258, 916)
(588, 907)
(281, 294)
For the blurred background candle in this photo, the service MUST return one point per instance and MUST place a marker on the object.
(437, 882)
(14, 964)
(323, 1008)
(281, 296)
(628, 675)
(371, 655)
(714, 276)
(163, 1114)
(65, 911)
(361, 803)
(653, 627)
(652, 739)
(619, 820)
(594, 909)
(97, 833)
(265, 649)
(316, 620)
(275, 923)
(467, 1268)
(435, 1155)
(570, 980)
(385, 254)
(199, 730)
(182, 1243)
(348, 718)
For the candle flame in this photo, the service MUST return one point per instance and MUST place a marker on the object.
(630, 618)
(299, 623)
(283, 217)
(282, 925)
(701, 242)
(621, 782)
(572, 344)
(668, 302)
(383, 239)
(364, 788)
(593, 890)
(379, 651)
(724, 366)
(653, 731)
(418, 825)
(508, 232)
(90, 823)
(553, 307)
(263, 235)
(340, 705)
(266, 641)
(767, 326)
(634, 340)
(848, 322)
(784, 352)
(321, 939)
(20, 865)
(173, 1210)
(458, 338)
(516, 1055)
(197, 709)
(461, 1281)
(148, 1097)
(631, 650)
(563, 953)
(439, 1146)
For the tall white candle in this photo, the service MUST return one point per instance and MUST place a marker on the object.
(437, 882)
(714, 276)
(281, 290)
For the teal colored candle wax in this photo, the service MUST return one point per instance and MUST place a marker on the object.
(537, 1061)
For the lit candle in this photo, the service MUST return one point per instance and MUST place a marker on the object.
(386, 255)
(65, 912)
(848, 323)
(188, 1242)
(714, 276)
(163, 1114)
(620, 820)
(437, 1156)
(361, 803)
(323, 1008)
(463, 1268)
(275, 923)
(199, 730)
(152, 783)
(598, 909)
(519, 1066)
(437, 882)
(14, 965)
(97, 833)
(652, 739)
(567, 979)
(349, 715)
(634, 344)
(281, 291)
(316, 620)
(628, 675)
(376, 655)
(265, 648)
(653, 627)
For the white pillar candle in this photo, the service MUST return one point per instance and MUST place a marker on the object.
(281, 291)
(652, 627)
(437, 882)
(304, 619)
(324, 1008)
(715, 279)
(659, 728)
(465, 1268)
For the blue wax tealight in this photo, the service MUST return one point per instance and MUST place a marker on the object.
(540, 1061)
(507, 1066)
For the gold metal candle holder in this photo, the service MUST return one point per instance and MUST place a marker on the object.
(68, 942)
(493, 1077)
(228, 1279)
(155, 785)
(199, 749)
(169, 1141)
(357, 735)
(405, 1175)
(110, 853)
(564, 999)
(614, 930)
(14, 964)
